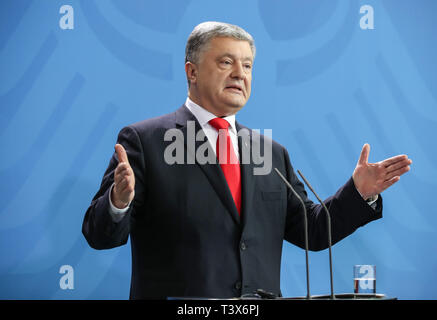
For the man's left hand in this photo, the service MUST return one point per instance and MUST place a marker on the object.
(372, 178)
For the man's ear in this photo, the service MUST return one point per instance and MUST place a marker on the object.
(191, 72)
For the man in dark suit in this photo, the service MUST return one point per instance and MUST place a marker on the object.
(215, 228)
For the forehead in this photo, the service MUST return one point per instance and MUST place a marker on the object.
(229, 46)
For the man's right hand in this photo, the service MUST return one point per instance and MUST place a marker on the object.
(124, 180)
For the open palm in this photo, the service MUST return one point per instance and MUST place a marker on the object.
(372, 178)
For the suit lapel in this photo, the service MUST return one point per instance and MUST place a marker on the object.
(212, 171)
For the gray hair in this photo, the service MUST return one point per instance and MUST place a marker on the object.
(204, 32)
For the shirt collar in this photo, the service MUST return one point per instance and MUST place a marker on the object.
(204, 116)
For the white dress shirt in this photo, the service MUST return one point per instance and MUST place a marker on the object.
(203, 116)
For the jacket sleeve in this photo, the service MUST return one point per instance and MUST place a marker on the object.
(348, 211)
(98, 227)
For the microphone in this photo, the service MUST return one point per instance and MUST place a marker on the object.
(306, 229)
(328, 216)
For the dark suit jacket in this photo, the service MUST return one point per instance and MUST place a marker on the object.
(187, 238)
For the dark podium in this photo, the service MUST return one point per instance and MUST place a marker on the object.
(263, 295)
(346, 296)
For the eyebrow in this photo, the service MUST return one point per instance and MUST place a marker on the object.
(230, 55)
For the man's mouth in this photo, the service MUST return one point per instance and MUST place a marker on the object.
(235, 88)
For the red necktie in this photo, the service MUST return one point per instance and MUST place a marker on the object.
(227, 159)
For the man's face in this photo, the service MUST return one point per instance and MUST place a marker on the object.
(222, 76)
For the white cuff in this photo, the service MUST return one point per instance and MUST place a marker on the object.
(116, 213)
(372, 200)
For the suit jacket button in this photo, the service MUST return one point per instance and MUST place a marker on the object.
(237, 285)
(243, 246)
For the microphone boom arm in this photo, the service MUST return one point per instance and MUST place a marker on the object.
(305, 226)
(328, 218)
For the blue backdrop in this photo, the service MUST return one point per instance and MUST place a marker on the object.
(66, 93)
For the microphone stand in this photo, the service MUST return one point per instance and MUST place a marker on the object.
(306, 229)
(328, 217)
(345, 296)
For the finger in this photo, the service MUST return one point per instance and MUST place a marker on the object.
(121, 185)
(123, 182)
(119, 179)
(122, 166)
(364, 156)
(390, 182)
(393, 160)
(398, 165)
(398, 172)
(128, 188)
(120, 175)
(121, 153)
(127, 173)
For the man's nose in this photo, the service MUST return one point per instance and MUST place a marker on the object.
(238, 71)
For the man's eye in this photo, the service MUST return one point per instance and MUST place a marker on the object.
(248, 66)
(226, 62)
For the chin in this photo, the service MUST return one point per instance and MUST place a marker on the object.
(233, 109)
(235, 106)
(236, 103)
